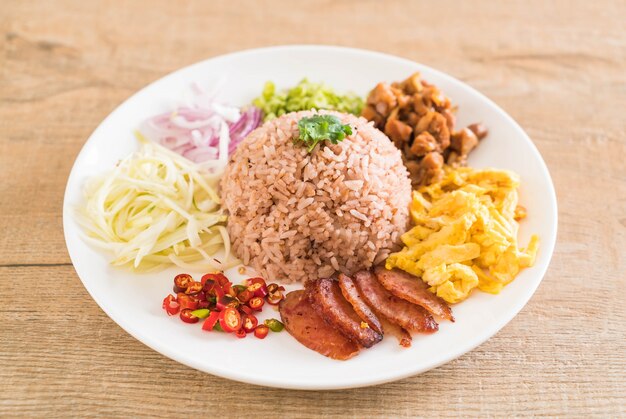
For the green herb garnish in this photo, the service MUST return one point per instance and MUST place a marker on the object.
(321, 127)
(274, 325)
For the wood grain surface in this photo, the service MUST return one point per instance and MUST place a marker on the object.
(558, 67)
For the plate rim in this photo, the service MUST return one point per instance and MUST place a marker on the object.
(235, 375)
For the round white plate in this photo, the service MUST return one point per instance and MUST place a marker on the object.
(134, 301)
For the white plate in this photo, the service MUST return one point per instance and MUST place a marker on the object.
(134, 301)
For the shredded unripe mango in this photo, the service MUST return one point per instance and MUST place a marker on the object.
(156, 208)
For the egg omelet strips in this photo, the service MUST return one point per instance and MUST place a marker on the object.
(465, 234)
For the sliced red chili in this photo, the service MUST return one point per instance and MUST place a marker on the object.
(229, 290)
(240, 333)
(187, 316)
(201, 296)
(257, 287)
(230, 320)
(256, 303)
(210, 321)
(181, 281)
(218, 277)
(204, 304)
(257, 280)
(193, 288)
(276, 298)
(249, 322)
(246, 309)
(245, 296)
(186, 302)
(261, 331)
(275, 293)
(167, 299)
(170, 305)
(227, 301)
(238, 289)
(218, 291)
(272, 287)
(208, 285)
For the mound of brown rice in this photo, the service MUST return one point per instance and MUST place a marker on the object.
(296, 216)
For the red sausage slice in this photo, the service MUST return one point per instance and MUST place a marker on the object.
(326, 297)
(414, 290)
(389, 328)
(350, 293)
(304, 323)
(407, 315)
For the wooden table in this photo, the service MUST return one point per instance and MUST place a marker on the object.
(559, 68)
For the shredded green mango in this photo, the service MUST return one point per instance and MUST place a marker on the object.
(156, 208)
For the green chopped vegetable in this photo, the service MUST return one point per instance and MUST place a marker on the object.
(303, 97)
(274, 325)
(321, 127)
(201, 313)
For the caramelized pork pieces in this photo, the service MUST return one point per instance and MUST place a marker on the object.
(420, 120)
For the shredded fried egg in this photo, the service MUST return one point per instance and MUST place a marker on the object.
(465, 234)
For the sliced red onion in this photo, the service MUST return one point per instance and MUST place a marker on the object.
(201, 154)
(173, 142)
(228, 113)
(237, 125)
(250, 120)
(183, 148)
(201, 130)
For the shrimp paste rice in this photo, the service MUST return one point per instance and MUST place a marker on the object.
(296, 216)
